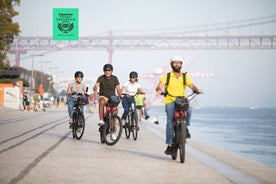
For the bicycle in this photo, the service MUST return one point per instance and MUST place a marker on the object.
(111, 131)
(179, 135)
(78, 124)
(132, 119)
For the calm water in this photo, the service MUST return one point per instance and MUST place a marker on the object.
(249, 133)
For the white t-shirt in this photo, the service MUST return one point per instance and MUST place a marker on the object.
(130, 88)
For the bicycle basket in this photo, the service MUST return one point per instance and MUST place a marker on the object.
(181, 103)
(83, 99)
(114, 101)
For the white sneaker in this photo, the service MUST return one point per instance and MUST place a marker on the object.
(70, 121)
(101, 122)
(113, 136)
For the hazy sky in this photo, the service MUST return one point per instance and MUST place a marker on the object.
(241, 76)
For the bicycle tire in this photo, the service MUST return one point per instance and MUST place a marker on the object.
(127, 127)
(101, 129)
(134, 124)
(74, 124)
(80, 126)
(182, 141)
(174, 146)
(112, 128)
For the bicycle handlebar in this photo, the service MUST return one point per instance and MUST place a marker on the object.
(192, 95)
(125, 94)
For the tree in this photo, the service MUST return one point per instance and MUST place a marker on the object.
(8, 29)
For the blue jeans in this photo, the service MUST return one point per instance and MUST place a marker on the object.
(71, 103)
(170, 109)
(126, 102)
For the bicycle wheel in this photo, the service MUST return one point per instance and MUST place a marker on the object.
(134, 124)
(182, 141)
(112, 130)
(80, 125)
(101, 129)
(74, 124)
(174, 146)
(127, 127)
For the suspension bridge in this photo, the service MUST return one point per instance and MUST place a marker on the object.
(259, 33)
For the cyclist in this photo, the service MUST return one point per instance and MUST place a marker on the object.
(174, 88)
(130, 88)
(75, 87)
(108, 84)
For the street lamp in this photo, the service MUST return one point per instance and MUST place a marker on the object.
(41, 75)
(50, 68)
(32, 78)
(59, 72)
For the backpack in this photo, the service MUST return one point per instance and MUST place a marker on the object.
(168, 80)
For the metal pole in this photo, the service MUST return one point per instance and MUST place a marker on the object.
(41, 71)
(31, 88)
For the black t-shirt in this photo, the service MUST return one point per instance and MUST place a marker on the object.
(107, 86)
(25, 98)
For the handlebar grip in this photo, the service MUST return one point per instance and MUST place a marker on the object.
(164, 93)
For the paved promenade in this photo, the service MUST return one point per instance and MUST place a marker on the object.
(37, 147)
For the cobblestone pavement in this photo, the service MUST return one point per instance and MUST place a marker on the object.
(37, 147)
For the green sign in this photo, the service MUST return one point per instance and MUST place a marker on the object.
(65, 24)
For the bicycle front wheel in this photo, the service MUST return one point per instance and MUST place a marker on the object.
(174, 148)
(134, 124)
(74, 128)
(127, 127)
(80, 125)
(112, 130)
(182, 141)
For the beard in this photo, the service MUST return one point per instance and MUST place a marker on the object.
(176, 69)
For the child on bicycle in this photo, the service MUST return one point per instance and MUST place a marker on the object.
(130, 88)
(175, 88)
(75, 87)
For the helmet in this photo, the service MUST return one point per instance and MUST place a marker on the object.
(106, 66)
(78, 74)
(133, 74)
(176, 58)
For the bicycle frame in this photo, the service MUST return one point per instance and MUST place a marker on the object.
(78, 117)
(112, 122)
(180, 115)
(132, 119)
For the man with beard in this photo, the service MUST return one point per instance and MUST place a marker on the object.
(176, 86)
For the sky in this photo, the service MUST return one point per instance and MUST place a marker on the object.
(241, 77)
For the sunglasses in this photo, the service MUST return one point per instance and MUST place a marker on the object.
(107, 70)
(132, 77)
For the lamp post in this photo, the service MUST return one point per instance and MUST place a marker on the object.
(57, 73)
(32, 78)
(50, 68)
(41, 71)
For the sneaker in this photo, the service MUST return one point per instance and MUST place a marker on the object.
(138, 126)
(188, 135)
(101, 122)
(168, 151)
(124, 123)
(113, 136)
(147, 117)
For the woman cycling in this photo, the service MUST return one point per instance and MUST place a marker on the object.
(130, 88)
(75, 87)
